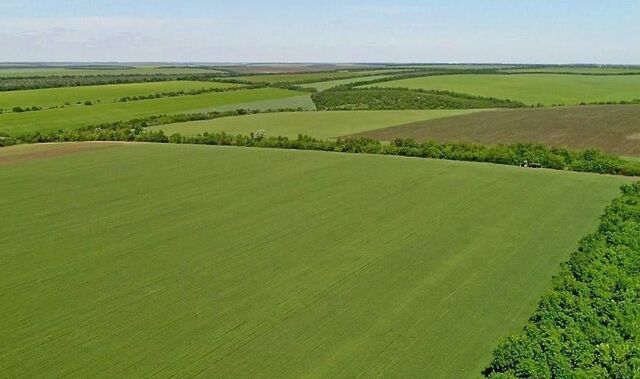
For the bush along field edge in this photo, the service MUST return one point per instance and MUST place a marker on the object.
(588, 324)
(526, 155)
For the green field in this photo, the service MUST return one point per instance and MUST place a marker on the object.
(547, 89)
(299, 101)
(323, 86)
(173, 260)
(308, 76)
(104, 93)
(315, 124)
(143, 70)
(73, 117)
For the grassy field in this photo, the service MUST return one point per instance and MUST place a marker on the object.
(299, 101)
(547, 89)
(73, 117)
(319, 76)
(323, 86)
(611, 128)
(173, 260)
(316, 124)
(104, 93)
(61, 71)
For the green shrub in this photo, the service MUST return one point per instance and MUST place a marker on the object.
(342, 98)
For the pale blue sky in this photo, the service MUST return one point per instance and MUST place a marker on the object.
(509, 31)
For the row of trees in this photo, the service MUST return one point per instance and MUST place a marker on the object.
(344, 98)
(200, 91)
(588, 325)
(39, 108)
(517, 154)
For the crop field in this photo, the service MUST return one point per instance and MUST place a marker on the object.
(145, 70)
(298, 101)
(546, 89)
(103, 93)
(309, 76)
(325, 85)
(74, 117)
(136, 260)
(315, 124)
(611, 128)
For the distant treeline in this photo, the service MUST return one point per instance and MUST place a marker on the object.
(344, 98)
(518, 154)
(588, 325)
(37, 82)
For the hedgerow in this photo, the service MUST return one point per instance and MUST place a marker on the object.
(588, 325)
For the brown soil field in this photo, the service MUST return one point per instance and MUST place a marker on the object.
(614, 129)
(26, 153)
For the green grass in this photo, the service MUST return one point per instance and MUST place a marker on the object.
(145, 70)
(105, 93)
(74, 117)
(307, 76)
(316, 124)
(175, 260)
(532, 89)
(323, 86)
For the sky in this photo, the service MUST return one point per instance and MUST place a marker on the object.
(401, 31)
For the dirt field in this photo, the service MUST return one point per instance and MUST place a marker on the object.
(26, 153)
(611, 128)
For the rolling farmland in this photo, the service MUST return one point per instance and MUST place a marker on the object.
(115, 70)
(314, 124)
(611, 128)
(311, 76)
(50, 97)
(546, 89)
(325, 85)
(74, 117)
(302, 189)
(288, 264)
